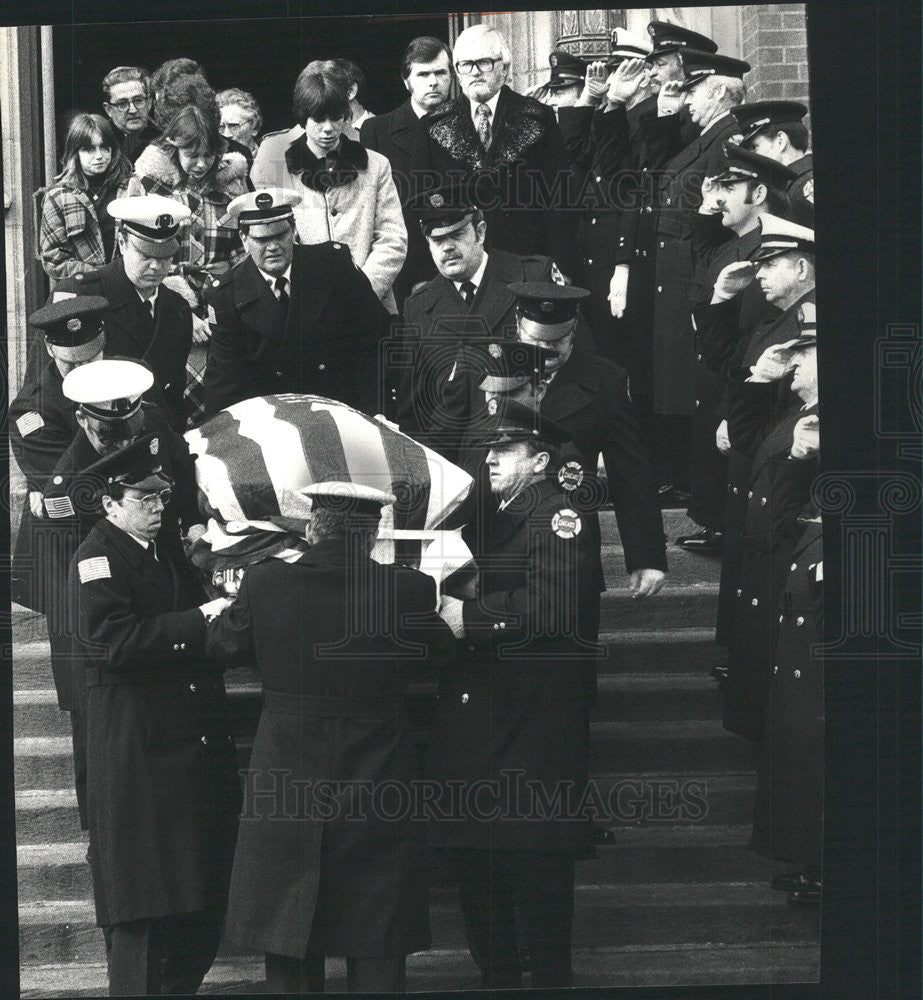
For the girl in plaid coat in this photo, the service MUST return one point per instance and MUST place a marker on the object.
(76, 233)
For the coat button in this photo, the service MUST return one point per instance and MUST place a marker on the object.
(336, 246)
(669, 201)
(648, 209)
(797, 674)
(781, 619)
(775, 670)
(698, 357)
(794, 566)
(204, 741)
(175, 647)
(593, 221)
(167, 386)
(799, 621)
(182, 645)
(735, 491)
(599, 180)
(749, 494)
(193, 688)
(589, 260)
(661, 244)
(321, 368)
(763, 501)
(697, 403)
(496, 626)
(278, 374)
(755, 602)
(464, 699)
(659, 288)
(739, 591)
(502, 624)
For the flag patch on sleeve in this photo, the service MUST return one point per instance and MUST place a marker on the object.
(29, 422)
(59, 506)
(96, 568)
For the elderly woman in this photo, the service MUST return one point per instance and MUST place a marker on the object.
(191, 163)
(348, 194)
(76, 232)
(240, 117)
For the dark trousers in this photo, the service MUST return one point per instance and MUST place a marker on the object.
(363, 975)
(672, 450)
(166, 956)
(493, 885)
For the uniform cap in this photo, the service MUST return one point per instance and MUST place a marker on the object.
(263, 209)
(547, 303)
(353, 499)
(743, 165)
(625, 44)
(778, 236)
(153, 220)
(566, 69)
(440, 210)
(108, 389)
(753, 118)
(698, 66)
(513, 363)
(509, 421)
(667, 37)
(138, 465)
(71, 321)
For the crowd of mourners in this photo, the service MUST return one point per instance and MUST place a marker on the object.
(600, 292)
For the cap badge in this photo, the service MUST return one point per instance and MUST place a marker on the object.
(566, 523)
(165, 221)
(155, 445)
(495, 351)
(74, 325)
(570, 475)
(263, 200)
(546, 306)
(492, 406)
(436, 201)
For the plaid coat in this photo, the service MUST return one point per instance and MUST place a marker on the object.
(70, 237)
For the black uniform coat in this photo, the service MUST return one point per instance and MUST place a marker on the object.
(515, 699)
(588, 397)
(400, 136)
(680, 191)
(778, 491)
(72, 509)
(163, 343)
(333, 712)
(438, 389)
(162, 785)
(42, 424)
(788, 811)
(803, 185)
(521, 180)
(326, 344)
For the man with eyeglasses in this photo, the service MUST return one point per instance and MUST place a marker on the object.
(145, 318)
(111, 413)
(127, 100)
(163, 792)
(509, 148)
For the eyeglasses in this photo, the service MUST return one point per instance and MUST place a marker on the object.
(148, 502)
(136, 102)
(465, 67)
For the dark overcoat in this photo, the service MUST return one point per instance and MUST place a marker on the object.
(162, 343)
(162, 786)
(512, 724)
(341, 873)
(679, 192)
(779, 490)
(401, 137)
(521, 180)
(788, 811)
(42, 424)
(325, 344)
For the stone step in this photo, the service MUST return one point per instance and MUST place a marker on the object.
(46, 816)
(683, 567)
(693, 606)
(609, 917)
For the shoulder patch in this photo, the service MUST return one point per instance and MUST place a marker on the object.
(29, 423)
(566, 523)
(210, 316)
(808, 190)
(556, 276)
(59, 507)
(570, 475)
(96, 568)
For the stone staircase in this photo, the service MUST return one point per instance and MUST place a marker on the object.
(677, 900)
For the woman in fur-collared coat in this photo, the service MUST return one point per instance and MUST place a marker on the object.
(191, 163)
(348, 194)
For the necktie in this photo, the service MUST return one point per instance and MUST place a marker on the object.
(281, 293)
(150, 308)
(482, 122)
(467, 292)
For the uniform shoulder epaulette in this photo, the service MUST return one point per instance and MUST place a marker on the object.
(222, 279)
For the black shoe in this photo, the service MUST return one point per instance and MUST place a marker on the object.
(810, 895)
(670, 496)
(703, 540)
(720, 674)
(793, 881)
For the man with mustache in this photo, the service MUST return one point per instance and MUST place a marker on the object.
(290, 318)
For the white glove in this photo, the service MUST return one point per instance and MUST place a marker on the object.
(806, 437)
(450, 611)
(211, 609)
(618, 291)
(732, 279)
(670, 99)
(774, 363)
(722, 441)
(35, 503)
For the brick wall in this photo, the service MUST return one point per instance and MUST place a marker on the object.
(774, 42)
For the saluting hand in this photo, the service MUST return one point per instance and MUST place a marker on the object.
(774, 363)
(626, 80)
(670, 99)
(732, 280)
(594, 85)
(645, 583)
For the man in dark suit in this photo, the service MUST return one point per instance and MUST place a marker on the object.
(426, 70)
(450, 321)
(145, 319)
(333, 636)
(291, 318)
(127, 100)
(163, 792)
(509, 148)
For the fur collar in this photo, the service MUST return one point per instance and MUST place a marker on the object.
(157, 164)
(520, 122)
(323, 173)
